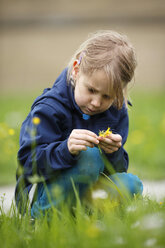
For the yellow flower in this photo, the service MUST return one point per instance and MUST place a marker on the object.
(11, 131)
(36, 120)
(105, 133)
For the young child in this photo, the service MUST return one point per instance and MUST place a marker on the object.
(59, 140)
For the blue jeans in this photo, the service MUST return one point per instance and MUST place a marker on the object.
(84, 174)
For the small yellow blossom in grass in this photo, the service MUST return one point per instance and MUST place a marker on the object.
(36, 121)
(160, 203)
(105, 133)
(11, 131)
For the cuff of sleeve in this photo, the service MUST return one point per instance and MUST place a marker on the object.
(119, 160)
(115, 155)
(65, 154)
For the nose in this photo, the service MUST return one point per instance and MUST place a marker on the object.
(96, 102)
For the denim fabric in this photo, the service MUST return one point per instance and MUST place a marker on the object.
(85, 173)
(127, 182)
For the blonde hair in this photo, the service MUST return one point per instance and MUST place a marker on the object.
(111, 52)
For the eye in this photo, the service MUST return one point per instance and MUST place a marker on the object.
(107, 97)
(91, 90)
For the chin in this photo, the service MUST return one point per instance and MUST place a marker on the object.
(94, 112)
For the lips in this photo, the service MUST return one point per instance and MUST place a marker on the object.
(91, 111)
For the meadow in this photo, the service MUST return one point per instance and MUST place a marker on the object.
(34, 46)
(137, 222)
(145, 143)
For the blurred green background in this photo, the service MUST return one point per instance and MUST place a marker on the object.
(38, 38)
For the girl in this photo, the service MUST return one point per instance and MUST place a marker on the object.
(59, 140)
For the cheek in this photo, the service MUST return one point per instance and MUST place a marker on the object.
(107, 104)
(76, 97)
(79, 99)
(81, 95)
(82, 100)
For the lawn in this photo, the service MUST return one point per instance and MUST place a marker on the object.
(136, 223)
(145, 143)
(13, 111)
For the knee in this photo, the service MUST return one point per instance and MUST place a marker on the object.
(131, 183)
(90, 164)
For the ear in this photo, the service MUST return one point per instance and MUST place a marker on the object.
(75, 69)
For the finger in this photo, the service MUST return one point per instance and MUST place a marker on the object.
(107, 150)
(108, 141)
(115, 137)
(87, 132)
(82, 142)
(75, 149)
(111, 148)
(86, 137)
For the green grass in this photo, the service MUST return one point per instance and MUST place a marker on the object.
(145, 143)
(14, 109)
(137, 223)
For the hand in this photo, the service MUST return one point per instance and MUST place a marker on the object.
(110, 143)
(79, 139)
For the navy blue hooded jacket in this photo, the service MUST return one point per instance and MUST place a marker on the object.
(59, 115)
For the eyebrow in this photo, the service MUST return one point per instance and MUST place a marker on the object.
(93, 88)
(90, 86)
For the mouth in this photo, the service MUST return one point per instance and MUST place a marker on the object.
(91, 111)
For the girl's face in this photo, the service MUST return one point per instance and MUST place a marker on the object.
(92, 93)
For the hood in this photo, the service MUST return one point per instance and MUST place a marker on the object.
(61, 92)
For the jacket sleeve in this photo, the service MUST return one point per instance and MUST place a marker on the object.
(43, 147)
(119, 159)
